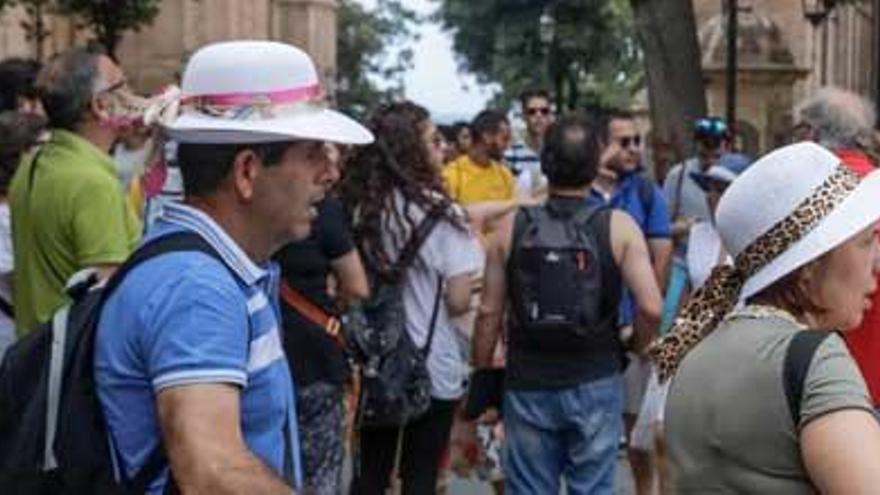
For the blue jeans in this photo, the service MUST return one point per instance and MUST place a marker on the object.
(572, 433)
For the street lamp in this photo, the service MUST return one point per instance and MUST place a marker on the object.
(732, 34)
(546, 27)
(547, 34)
(817, 12)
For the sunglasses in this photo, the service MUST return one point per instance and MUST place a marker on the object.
(627, 141)
(536, 110)
(112, 87)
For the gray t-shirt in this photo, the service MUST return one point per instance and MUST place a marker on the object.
(693, 199)
(693, 203)
(728, 425)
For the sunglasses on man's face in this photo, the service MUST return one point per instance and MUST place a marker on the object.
(538, 110)
(627, 141)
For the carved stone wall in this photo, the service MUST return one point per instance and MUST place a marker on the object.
(155, 56)
(769, 86)
(851, 41)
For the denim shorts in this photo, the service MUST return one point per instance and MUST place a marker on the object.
(571, 434)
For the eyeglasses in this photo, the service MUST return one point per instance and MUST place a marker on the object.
(627, 141)
(536, 110)
(112, 87)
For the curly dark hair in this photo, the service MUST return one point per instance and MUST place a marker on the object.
(397, 163)
(19, 132)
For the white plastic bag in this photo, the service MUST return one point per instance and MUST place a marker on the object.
(650, 420)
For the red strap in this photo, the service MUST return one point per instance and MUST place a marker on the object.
(312, 312)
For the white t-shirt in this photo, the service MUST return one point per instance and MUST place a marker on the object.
(7, 325)
(704, 253)
(447, 251)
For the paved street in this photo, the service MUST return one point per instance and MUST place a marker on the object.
(469, 487)
(460, 486)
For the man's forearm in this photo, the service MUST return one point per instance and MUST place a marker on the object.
(681, 228)
(243, 474)
(661, 255)
(486, 330)
(644, 331)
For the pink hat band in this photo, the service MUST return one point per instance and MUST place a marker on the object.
(285, 96)
(257, 105)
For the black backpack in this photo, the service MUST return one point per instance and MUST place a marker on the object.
(564, 286)
(394, 379)
(796, 367)
(54, 438)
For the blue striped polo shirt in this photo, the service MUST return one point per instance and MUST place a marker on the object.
(183, 318)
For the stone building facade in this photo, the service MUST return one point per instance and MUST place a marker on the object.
(781, 60)
(154, 56)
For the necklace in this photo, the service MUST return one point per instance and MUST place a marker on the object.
(757, 311)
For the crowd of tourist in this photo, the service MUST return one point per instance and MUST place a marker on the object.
(289, 291)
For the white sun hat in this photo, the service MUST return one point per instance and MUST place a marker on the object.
(257, 91)
(789, 208)
(777, 185)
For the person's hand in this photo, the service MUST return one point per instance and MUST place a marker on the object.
(528, 200)
(610, 157)
(490, 417)
(607, 173)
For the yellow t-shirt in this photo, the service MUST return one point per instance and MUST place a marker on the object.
(468, 182)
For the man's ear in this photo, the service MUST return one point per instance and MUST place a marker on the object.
(246, 167)
(98, 107)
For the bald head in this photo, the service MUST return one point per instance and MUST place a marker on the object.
(837, 118)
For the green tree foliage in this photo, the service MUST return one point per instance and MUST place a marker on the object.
(588, 54)
(374, 51)
(109, 19)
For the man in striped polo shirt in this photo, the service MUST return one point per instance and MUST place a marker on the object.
(188, 362)
(524, 157)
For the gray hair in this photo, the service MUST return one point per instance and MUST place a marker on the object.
(66, 86)
(839, 118)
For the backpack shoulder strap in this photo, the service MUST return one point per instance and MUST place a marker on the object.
(585, 215)
(33, 171)
(178, 241)
(611, 283)
(679, 186)
(434, 314)
(524, 217)
(798, 358)
(419, 235)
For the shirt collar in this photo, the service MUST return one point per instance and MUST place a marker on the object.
(82, 146)
(196, 220)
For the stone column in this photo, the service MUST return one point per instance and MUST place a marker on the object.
(310, 25)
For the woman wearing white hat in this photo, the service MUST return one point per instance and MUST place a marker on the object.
(765, 398)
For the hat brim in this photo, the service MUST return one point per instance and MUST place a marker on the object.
(319, 125)
(704, 180)
(857, 212)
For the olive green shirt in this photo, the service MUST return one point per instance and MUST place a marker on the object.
(728, 424)
(69, 213)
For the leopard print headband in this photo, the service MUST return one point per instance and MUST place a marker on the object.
(711, 303)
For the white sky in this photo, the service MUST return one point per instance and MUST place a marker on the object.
(435, 81)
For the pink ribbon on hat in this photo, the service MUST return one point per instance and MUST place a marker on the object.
(295, 95)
